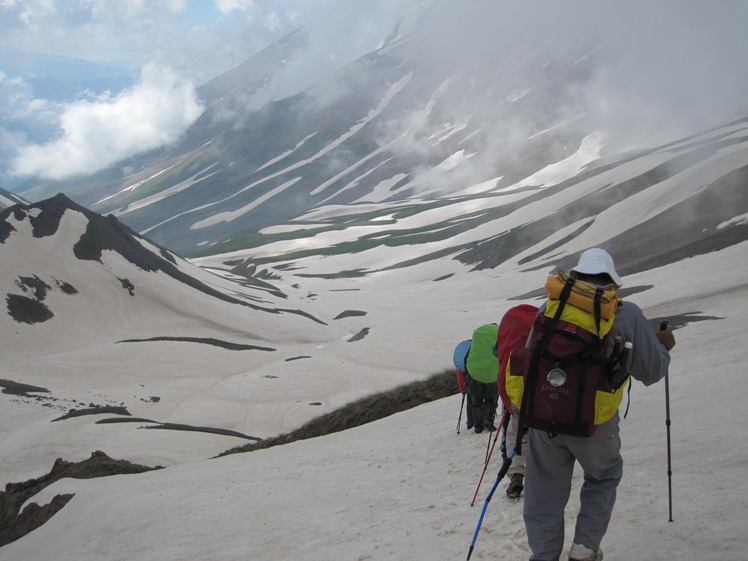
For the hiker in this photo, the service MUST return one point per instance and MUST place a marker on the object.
(459, 357)
(483, 400)
(516, 471)
(482, 366)
(463, 383)
(514, 329)
(550, 459)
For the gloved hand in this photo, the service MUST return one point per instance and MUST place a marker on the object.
(666, 337)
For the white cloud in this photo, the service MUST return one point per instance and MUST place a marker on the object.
(95, 134)
(30, 10)
(227, 6)
(665, 69)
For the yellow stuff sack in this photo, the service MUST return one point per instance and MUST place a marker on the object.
(583, 295)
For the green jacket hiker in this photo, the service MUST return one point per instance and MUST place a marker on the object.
(483, 372)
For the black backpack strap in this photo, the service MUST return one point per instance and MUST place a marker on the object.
(628, 403)
(540, 347)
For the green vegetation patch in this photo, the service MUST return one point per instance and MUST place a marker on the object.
(27, 310)
(367, 410)
(114, 420)
(101, 410)
(297, 358)
(350, 314)
(66, 287)
(360, 335)
(17, 388)
(209, 430)
(34, 284)
(177, 426)
(203, 340)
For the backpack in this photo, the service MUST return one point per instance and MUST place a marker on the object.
(459, 358)
(514, 329)
(564, 381)
(482, 362)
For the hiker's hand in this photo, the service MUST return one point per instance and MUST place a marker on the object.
(666, 337)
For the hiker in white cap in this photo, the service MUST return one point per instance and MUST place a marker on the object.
(550, 459)
(597, 262)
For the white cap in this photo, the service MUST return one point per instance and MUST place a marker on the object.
(596, 261)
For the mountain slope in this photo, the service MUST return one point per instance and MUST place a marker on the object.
(650, 207)
(9, 199)
(156, 337)
(388, 127)
(509, 100)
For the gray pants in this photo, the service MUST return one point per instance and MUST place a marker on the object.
(518, 463)
(549, 468)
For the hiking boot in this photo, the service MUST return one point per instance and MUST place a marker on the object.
(478, 429)
(580, 553)
(516, 485)
(489, 426)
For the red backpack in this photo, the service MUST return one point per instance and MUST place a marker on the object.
(514, 329)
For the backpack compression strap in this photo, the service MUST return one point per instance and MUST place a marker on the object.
(598, 313)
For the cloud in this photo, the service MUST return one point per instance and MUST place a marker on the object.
(650, 70)
(338, 32)
(198, 37)
(667, 68)
(639, 73)
(643, 73)
(96, 134)
(198, 40)
(228, 6)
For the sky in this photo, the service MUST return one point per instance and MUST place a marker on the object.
(676, 64)
(199, 37)
(174, 45)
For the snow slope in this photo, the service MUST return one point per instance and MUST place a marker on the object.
(400, 488)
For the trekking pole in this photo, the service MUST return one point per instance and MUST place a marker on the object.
(669, 461)
(459, 419)
(499, 477)
(488, 458)
(663, 327)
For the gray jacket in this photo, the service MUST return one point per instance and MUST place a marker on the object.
(649, 359)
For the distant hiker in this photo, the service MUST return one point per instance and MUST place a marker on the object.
(514, 329)
(460, 358)
(482, 366)
(462, 383)
(551, 451)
